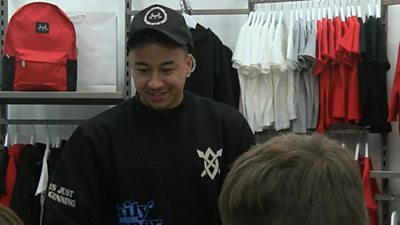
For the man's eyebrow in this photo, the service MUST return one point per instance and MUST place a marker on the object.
(140, 64)
(168, 63)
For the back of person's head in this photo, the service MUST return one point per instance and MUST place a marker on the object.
(8, 217)
(294, 180)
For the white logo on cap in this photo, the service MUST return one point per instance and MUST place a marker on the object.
(155, 16)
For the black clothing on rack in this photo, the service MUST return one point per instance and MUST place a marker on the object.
(3, 169)
(372, 76)
(23, 201)
(213, 76)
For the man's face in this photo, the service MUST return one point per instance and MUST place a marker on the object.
(159, 73)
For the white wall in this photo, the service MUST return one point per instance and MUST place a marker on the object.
(394, 137)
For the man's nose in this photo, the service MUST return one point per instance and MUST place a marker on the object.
(155, 81)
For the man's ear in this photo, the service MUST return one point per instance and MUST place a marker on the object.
(189, 63)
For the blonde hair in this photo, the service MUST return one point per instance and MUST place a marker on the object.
(8, 217)
(294, 179)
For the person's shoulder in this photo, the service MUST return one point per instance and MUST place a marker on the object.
(211, 106)
(111, 117)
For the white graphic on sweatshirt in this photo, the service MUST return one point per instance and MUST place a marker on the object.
(211, 163)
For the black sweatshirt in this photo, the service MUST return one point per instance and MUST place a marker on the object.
(133, 165)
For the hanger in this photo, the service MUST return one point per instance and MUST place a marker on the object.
(186, 11)
(343, 140)
(366, 149)
(273, 16)
(313, 14)
(319, 13)
(329, 12)
(369, 10)
(72, 127)
(261, 21)
(48, 139)
(394, 218)
(357, 151)
(353, 10)
(250, 18)
(266, 14)
(261, 17)
(342, 15)
(255, 18)
(15, 141)
(336, 11)
(281, 13)
(377, 10)
(190, 22)
(291, 15)
(348, 11)
(359, 10)
(58, 139)
(268, 20)
(6, 138)
(186, 7)
(32, 140)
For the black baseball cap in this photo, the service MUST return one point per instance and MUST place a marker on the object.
(160, 19)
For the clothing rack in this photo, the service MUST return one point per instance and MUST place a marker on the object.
(41, 121)
(337, 133)
(253, 2)
(186, 7)
(384, 173)
(390, 2)
(33, 122)
(205, 12)
(332, 131)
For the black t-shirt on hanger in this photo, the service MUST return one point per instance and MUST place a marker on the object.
(372, 76)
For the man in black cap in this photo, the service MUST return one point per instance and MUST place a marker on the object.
(160, 157)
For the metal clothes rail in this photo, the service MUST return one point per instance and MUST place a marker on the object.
(204, 12)
(41, 121)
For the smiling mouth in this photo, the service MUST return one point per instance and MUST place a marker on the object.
(157, 96)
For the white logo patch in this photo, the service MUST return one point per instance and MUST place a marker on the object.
(211, 163)
(155, 16)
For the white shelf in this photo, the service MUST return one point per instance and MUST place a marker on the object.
(61, 98)
(385, 174)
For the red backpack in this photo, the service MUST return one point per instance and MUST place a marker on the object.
(39, 50)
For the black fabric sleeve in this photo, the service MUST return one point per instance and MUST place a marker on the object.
(234, 78)
(240, 142)
(223, 91)
(3, 169)
(247, 139)
(79, 190)
(24, 201)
